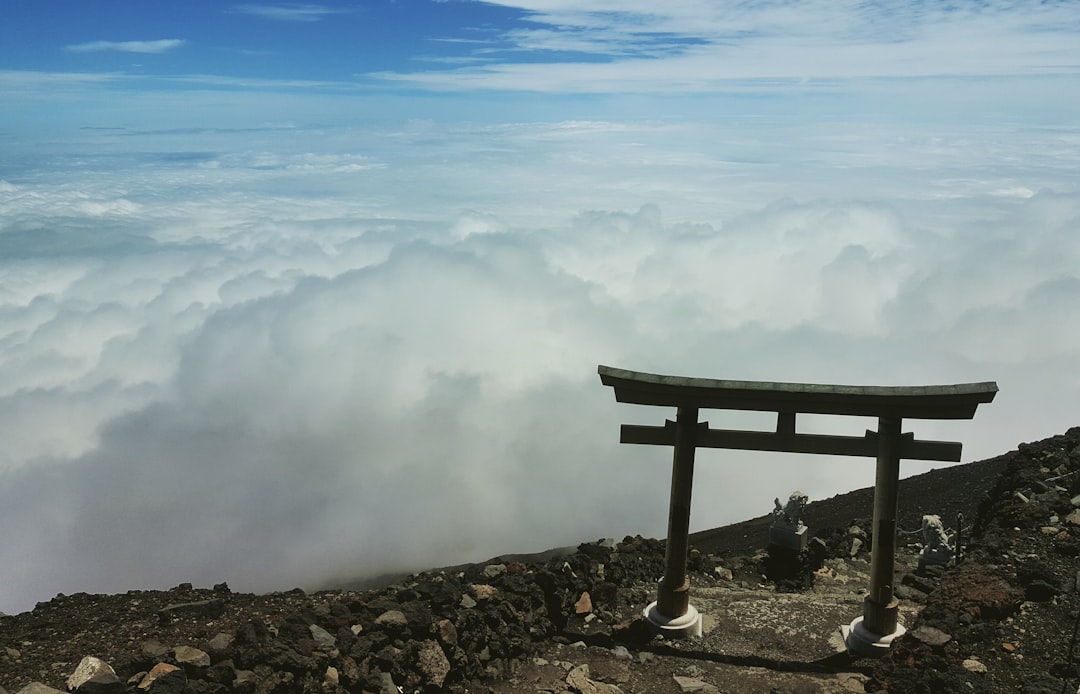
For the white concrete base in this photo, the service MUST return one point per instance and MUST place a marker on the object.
(862, 641)
(674, 627)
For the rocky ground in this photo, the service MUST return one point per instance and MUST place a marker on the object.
(1001, 620)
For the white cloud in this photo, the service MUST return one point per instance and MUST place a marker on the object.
(155, 46)
(288, 13)
(230, 357)
(691, 47)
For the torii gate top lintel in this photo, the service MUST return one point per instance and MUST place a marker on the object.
(957, 401)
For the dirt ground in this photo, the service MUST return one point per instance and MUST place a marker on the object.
(1004, 619)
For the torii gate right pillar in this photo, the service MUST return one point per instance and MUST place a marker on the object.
(879, 624)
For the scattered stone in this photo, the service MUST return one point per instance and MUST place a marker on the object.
(852, 681)
(244, 679)
(694, 684)
(211, 608)
(322, 637)
(529, 614)
(1073, 517)
(13, 653)
(392, 618)
(1040, 591)
(447, 632)
(908, 593)
(156, 672)
(494, 570)
(221, 642)
(192, 657)
(482, 591)
(154, 649)
(172, 682)
(89, 668)
(38, 688)
(94, 676)
(578, 680)
(931, 636)
(387, 685)
(102, 684)
(223, 673)
(432, 663)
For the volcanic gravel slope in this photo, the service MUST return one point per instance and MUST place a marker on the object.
(1002, 620)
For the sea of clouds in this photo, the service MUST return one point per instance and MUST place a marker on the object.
(286, 355)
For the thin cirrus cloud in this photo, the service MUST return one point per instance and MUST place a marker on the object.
(694, 47)
(156, 46)
(288, 13)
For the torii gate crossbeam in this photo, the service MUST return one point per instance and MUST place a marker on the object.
(889, 404)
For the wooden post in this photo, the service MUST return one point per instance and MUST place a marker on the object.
(673, 594)
(880, 606)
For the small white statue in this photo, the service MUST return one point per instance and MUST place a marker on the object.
(790, 512)
(787, 529)
(937, 545)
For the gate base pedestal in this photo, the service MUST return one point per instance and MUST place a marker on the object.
(862, 641)
(674, 627)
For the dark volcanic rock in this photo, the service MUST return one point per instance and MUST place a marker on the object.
(201, 608)
(995, 622)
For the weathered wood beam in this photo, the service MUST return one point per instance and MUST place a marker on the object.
(823, 444)
(956, 401)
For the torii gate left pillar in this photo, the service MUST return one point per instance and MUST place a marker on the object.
(672, 610)
(873, 632)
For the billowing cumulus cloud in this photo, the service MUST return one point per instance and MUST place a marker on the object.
(342, 352)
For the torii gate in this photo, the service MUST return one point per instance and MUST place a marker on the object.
(874, 631)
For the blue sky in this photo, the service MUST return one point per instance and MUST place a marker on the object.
(338, 276)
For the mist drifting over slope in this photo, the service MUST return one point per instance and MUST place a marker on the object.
(270, 333)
